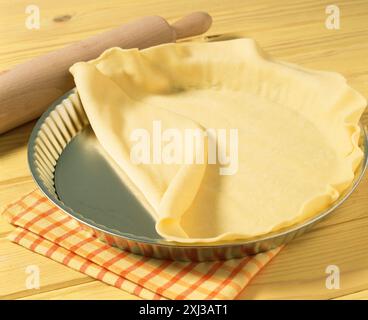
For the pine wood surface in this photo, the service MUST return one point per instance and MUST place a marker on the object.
(288, 30)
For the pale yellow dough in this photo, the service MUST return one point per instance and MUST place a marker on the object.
(298, 134)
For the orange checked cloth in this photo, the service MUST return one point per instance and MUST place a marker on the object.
(43, 228)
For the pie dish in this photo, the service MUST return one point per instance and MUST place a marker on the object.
(71, 169)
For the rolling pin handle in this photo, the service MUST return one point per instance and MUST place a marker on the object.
(191, 25)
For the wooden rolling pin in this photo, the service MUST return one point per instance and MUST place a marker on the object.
(28, 89)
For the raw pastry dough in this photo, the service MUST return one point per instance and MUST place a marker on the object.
(298, 134)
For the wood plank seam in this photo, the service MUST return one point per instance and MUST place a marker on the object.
(47, 288)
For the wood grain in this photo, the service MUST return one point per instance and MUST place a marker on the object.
(288, 30)
(91, 290)
(14, 261)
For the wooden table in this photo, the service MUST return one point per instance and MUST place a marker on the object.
(289, 30)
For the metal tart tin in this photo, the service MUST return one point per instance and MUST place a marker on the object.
(70, 167)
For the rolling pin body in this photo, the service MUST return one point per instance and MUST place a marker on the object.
(28, 89)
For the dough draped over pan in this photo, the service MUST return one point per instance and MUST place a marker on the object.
(297, 131)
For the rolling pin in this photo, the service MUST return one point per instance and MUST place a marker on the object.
(28, 89)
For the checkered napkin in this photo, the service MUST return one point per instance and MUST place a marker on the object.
(43, 228)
